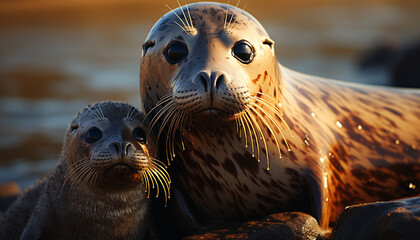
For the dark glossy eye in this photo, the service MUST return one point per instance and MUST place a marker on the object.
(243, 51)
(139, 135)
(175, 52)
(93, 135)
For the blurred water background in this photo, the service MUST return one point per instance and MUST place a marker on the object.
(56, 56)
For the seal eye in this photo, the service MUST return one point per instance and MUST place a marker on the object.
(243, 51)
(93, 135)
(175, 52)
(139, 135)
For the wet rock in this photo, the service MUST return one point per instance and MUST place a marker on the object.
(282, 226)
(399, 219)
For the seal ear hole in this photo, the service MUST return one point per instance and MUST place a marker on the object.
(93, 135)
(74, 127)
(147, 45)
(243, 51)
(268, 42)
(140, 135)
(175, 52)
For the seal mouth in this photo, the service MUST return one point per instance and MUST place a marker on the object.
(123, 166)
(211, 111)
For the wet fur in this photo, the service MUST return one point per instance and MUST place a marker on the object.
(349, 143)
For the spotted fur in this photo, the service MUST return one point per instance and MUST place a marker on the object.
(348, 143)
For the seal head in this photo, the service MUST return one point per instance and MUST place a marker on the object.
(209, 56)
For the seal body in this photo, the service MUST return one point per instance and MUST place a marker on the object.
(96, 190)
(255, 138)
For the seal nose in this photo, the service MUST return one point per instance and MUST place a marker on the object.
(210, 81)
(121, 147)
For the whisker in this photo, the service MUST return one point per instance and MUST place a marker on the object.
(163, 100)
(101, 112)
(246, 121)
(69, 172)
(183, 13)
(179, 25)
(185, 26)
(253, 122)
(165, 187)
(79, 176)
(277, 113)
(189, 14)
(94, 112)
(146, 182)
(274, 108)
(158, 115)
(261, 137)
(162, 170)
(174, 129)
(267, 125)
(181, 128)
(227, 11)
(243, 127)
(166, 118)
(231, 17)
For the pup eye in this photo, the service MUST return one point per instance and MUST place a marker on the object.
(175, 52)
(243, 51)
(93, 135)
(139, 135)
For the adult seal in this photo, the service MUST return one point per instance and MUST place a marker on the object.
(96, 190)
(249, 137)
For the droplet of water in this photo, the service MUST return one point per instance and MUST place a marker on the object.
(280, 105)
(360, 127)
(412, 186)
(339, 124)
(397, 141)
(313, 114)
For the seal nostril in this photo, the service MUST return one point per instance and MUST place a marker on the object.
(128, 147)
(204, 82)
(219, 80)
(117, 147)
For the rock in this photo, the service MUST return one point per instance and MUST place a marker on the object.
(399, 219)
(282, 226)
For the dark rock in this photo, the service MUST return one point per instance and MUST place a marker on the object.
(399, 219)
(401, 63)
(284, 226)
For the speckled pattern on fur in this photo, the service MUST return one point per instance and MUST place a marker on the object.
(349, 143)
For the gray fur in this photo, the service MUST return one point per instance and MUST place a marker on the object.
(83, 211)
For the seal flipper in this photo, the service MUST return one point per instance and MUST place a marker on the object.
(317, 196)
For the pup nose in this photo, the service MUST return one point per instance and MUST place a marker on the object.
(121, 147)
(210, 80)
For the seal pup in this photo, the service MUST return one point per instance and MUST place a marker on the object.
(96, 191)
(255, 138)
